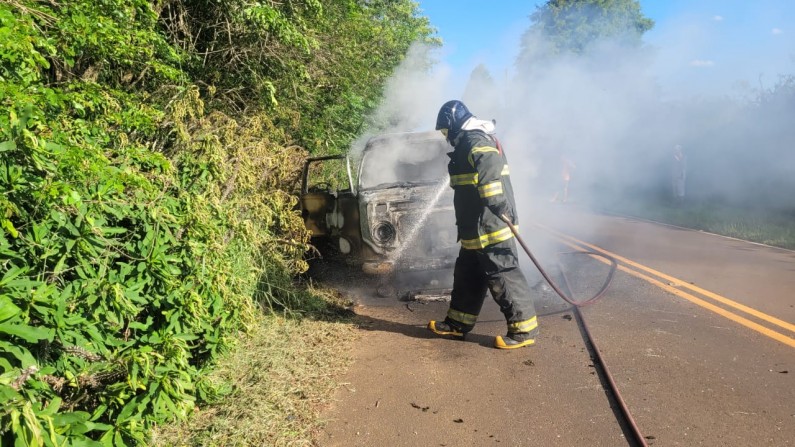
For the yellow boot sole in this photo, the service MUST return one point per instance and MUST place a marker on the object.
(499, 343)
(449, 333)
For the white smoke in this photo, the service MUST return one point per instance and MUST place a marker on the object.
(618, 112)
(411, 98)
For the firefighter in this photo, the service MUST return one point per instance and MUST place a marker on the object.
(488, 259)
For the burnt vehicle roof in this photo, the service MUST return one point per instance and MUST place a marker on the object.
(407, 137)
(403, 158)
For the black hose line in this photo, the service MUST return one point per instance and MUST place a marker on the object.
(639, 438)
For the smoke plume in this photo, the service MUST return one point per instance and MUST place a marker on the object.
(617, 111)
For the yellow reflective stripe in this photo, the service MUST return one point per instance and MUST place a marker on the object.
(471, 244)
(523, 326)
(464, 179)
(490, 189)
(505, 170)
(484, 149)
(487, 239)
(462, 317)
(499, 236)
(480, 149)
(496, 184)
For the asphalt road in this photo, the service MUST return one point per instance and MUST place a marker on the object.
(696, 329)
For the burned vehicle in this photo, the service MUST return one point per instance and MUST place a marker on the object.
(398, 214)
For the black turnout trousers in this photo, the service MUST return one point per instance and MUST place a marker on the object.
(494, 268)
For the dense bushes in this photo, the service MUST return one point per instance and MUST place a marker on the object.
(144, 209)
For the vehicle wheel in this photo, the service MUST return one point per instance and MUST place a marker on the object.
(325, 247)
(386, 290)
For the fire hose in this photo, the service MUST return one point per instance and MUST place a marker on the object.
(639, 438)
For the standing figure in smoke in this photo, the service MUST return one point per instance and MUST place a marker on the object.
(678, 175)
(566, 166)
(488, 259)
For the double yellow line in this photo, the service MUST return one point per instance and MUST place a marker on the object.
(675, 287)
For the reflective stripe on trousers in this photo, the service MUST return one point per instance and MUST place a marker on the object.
(494, 269)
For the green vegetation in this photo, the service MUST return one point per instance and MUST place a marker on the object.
(278, 377)
(572, 26)
(762, 224)
(148, 152)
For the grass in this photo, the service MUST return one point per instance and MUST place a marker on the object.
(768, 226)
(281, 376)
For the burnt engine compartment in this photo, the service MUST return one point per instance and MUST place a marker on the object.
(413, 226)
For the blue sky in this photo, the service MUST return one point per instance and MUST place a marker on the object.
(708, 46)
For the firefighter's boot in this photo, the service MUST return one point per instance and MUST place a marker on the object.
(514, 340)
(445, 329)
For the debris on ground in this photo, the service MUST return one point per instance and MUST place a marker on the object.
(429, 296)
(419, 407)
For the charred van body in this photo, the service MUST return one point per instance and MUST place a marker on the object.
(397, 216)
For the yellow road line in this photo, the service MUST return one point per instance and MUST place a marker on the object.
(751, 311)
(695, 300)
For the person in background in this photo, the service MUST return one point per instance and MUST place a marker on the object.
(678, 175)
(566, 166)
(488, 258)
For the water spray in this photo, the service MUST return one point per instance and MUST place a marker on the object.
(386, 268)
(412, 234)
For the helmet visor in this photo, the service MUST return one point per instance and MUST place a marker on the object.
(444, 132)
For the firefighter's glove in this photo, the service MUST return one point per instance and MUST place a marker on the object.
(501, 209)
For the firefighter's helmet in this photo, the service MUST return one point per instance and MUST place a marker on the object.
(452, 116)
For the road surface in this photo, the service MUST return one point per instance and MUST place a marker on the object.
(696, 329)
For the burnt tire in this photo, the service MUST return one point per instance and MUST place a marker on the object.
(386, 290)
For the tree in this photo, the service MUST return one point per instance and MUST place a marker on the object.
(316, 67)
(573, 26)
(581, 83)
(481, 94)
(361, 44)
(148, 150)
